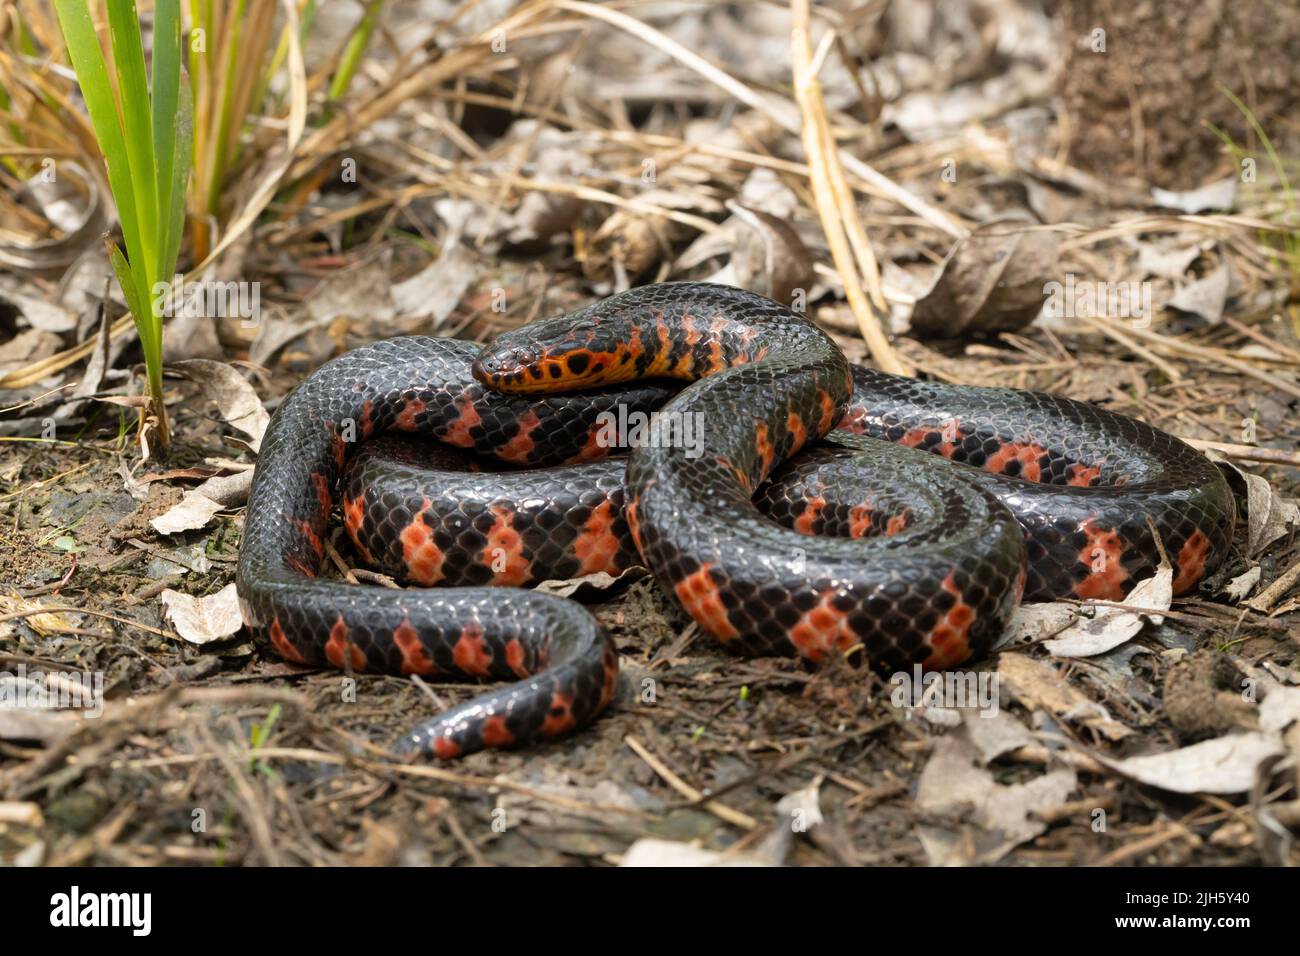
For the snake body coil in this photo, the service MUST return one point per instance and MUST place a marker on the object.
(772, 549)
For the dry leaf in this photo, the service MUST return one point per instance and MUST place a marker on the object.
(1239, 587)
(1037, 621)
(1038, 684)
(1280, 709)
(590, 585)
(1223, 765)
(199, 505)
(206, 619)
(39, 313)
(437, 289)
(995, 734)
(1216, 195)
(1204, 297)
(955, 781)
(236, 400)
(80, 216)
(993, 281)
(1166, 263)
(1112, 626)
(1269, 515)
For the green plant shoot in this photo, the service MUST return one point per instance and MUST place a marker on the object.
(145, 138)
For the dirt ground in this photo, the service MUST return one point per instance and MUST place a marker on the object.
(520, 192)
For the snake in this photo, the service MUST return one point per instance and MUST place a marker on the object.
(789, 502)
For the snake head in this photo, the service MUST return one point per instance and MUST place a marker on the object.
(565, 352)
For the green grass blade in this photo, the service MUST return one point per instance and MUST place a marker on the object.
(1273, 157)
(182, 146)
(133, 89)
(354, 50)
(92, 75)
(166, 81)
(141, 308)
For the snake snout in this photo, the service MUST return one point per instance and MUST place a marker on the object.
(494, 364)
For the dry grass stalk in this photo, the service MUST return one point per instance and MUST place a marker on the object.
(829, 191)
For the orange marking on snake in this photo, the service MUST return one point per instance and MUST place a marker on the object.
(505, 545)
(596, 545)
(323, 494)
(600, 368)
(795, 429)
(340, 651)
(717, 326)
(458, 432)
(559, 717)
(354, 516)
(897, 523)
(283, 646)
(741, 477)
(702, 600)
(1191, 562)
(444, 748)
(1103, 554)
(521, 446)
(821, 628)
(593, 448)
(495, 733)
(406, 419)
(860, 520)
(716, 360)
(470, 652)
(313, 538)
(1083, 476)
(763, 448)
(686, 363)
(633, 346)
(854, 420)
(420, 553)
(515, 657)
(916, 437)
(807, 520)
(415, 659)
(827, 405)
(1028, 454)
(949, 640)
(665, 337)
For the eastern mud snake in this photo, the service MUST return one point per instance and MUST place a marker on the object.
(853, 542)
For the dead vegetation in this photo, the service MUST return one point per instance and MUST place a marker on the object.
(901, 171)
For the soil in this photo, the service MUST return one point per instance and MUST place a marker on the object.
(1143, 107)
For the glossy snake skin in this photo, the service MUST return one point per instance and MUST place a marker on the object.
(773, 549)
